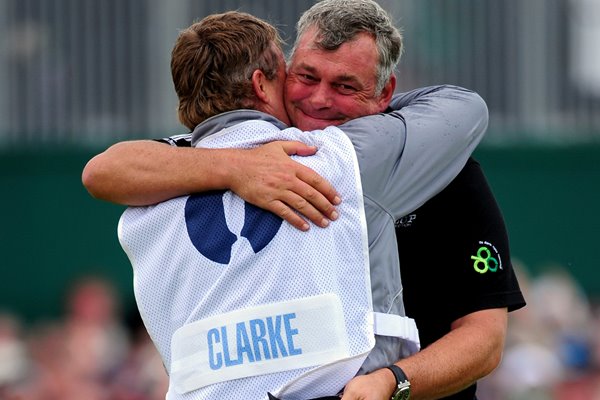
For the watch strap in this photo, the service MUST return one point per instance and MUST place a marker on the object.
(402, 391)
(398, 373)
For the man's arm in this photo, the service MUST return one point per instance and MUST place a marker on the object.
(474, 345)
(146, 172)
(437, 128)
(477, 313)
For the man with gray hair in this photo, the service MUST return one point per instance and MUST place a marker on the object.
(342, 68)
(340, 21)
(321, 89)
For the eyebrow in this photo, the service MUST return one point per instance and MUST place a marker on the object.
(344, 78)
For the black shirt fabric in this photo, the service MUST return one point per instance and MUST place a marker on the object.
(455, 259)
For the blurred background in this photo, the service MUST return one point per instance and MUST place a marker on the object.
(79, 75)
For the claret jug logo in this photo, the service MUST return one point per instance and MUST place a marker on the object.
(487, 258)
(209, 233)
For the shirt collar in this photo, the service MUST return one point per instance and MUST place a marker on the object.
(227, 119)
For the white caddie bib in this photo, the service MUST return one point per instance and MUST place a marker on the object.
(239, 303)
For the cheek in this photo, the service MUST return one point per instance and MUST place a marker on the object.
(355, 108)
(295, 92)
(350, 107)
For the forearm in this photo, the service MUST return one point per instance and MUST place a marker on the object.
(470, 351)
(400, 100)
(139, 173)
(146, 172)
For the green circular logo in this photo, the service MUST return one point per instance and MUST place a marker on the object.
(484, 261)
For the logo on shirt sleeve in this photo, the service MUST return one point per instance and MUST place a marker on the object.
(406, 221)
(487, 258)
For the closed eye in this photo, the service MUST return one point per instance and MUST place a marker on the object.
(308, 78)
(345, 89)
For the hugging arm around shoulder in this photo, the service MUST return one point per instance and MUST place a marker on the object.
(413, 152)
(145, 172)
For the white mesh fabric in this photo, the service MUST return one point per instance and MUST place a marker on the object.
(175, 284)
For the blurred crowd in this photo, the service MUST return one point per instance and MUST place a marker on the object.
(552, 349)
(91, 353)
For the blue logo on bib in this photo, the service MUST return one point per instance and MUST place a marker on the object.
(208, 231)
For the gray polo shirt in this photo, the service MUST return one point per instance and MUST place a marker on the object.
(405, 156)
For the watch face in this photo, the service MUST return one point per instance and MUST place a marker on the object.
(403, 392)
(402, 395)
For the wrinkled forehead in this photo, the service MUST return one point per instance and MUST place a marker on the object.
(360, 53)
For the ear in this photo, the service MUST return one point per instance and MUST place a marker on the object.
(386, 94)
(259, 84)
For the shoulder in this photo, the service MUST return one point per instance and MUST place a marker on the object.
(451, 93)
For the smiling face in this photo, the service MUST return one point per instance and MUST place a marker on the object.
(326, 88)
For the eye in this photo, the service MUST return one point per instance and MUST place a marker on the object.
(308, 78)
(345, 89)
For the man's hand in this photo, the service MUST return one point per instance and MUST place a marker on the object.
(378, 385)
(267, 177)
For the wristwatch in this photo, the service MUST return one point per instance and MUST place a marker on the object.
(402, 391)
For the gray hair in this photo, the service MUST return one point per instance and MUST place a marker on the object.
(339, 21)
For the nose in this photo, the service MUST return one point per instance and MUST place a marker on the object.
(320, 97)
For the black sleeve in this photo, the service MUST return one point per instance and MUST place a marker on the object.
(455, 256)
(183, 140)
(489, 272)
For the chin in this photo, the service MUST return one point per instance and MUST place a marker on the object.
(311, 127)
(309, 124)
